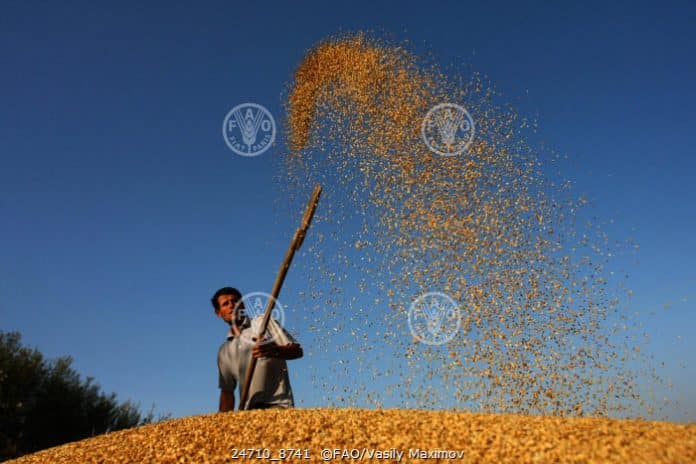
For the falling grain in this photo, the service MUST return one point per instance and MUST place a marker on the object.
(488, 227)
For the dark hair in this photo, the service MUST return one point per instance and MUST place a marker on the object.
(224, 291)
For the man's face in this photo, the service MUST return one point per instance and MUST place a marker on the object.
(227, 306)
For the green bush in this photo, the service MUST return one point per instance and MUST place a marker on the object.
(45, 403)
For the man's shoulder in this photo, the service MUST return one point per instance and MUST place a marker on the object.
(226, 345)
(222, 347)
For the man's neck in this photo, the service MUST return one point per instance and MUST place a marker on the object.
(236, 327)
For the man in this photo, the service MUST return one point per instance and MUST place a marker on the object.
(270, 387)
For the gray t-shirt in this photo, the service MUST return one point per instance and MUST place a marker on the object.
(271, 384)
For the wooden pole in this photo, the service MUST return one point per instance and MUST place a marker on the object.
(295, 245)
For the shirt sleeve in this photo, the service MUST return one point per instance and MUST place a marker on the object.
(226, 381)
(279, 334)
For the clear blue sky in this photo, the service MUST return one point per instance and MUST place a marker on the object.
(122, 209)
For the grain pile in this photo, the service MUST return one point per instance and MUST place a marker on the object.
(480, 438)
(543, 323)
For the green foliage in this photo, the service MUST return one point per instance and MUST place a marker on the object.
(45, 403)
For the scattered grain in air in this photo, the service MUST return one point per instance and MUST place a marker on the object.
(493, 226)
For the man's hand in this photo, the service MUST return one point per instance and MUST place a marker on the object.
(273, 350)
(266, 350)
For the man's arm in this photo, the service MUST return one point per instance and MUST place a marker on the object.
(291, 351)
(226, 401)
(273, 350)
